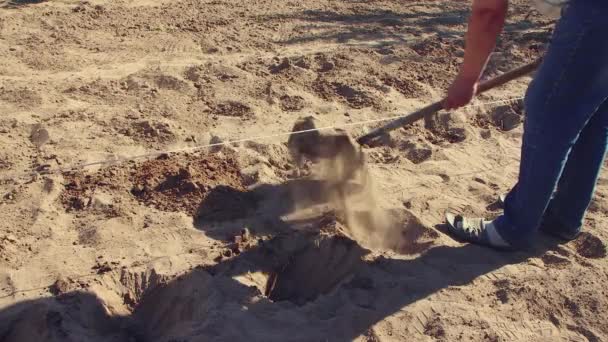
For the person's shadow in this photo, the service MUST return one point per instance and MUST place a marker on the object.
(294, 285)
(226, 210)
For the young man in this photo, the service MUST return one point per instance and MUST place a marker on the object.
(565, 130)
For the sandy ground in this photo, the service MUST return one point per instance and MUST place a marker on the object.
(225, 244)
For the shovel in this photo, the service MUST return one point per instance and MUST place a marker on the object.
(307, 142)
(437, 106)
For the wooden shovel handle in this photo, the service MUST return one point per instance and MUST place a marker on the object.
(437, 106)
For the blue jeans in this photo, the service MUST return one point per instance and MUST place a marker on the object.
(565, 130)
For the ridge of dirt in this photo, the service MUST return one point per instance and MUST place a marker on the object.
(158, 182)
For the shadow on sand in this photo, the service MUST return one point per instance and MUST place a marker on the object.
(299, 284)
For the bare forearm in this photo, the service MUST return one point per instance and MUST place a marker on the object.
(485, 24)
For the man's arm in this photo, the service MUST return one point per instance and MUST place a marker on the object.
(485, 24)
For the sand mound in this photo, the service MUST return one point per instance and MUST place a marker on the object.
(590, 246)
(69, 317)
(158, 182)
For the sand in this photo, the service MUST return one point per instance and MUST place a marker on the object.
(232, 243)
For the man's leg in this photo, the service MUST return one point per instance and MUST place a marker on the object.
(566, 211)
(570, 85)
